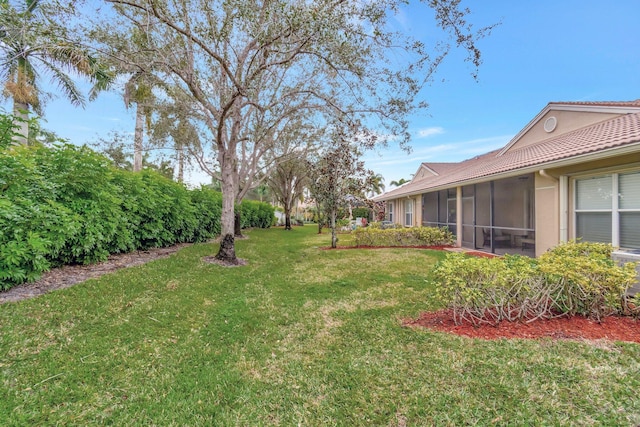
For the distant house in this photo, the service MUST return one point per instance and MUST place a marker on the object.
(572, 172)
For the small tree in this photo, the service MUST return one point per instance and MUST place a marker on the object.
(336, 177)
(288, 181)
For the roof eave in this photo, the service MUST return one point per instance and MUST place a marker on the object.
(600, 155)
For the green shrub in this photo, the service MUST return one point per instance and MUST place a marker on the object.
(486, 290)
(255, 214)
(386, 225)
(208, 211)
(573, 278)
(415, 236)
(586, 279)
(67, 205)
(360, 213)
(83, 184)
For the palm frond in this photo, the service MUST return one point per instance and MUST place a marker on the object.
(69, 56)
(65, 84)
(102, 77)
(31, 5)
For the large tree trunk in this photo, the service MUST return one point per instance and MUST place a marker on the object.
(227, 252)
(320, 219)
(334, 234)
(180, 163)
(287, 216)
(21, 121)
(237, 222)
(137, 139)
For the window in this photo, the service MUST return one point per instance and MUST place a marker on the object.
(390, 211)
(608, 209)
(408, 212)
(629, 209)
(594, 209)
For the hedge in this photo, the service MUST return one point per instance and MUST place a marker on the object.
(68, 205)
(255, 214)
(415, 236)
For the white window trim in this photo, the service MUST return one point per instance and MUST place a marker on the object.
(615, 207)
(408, 213)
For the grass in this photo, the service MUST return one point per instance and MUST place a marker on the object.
(299, 336)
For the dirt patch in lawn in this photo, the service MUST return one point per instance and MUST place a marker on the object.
(611, 328)
(69, 275)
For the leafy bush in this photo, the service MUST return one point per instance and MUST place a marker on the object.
(415, 236)
(586, 279)
(255, 214)
(573, 278)
(384, 224)
(68, 205)
(486, 290)
(208, 210)
(360, 212)
(83, 184)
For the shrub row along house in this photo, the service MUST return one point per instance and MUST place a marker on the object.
(572, 172)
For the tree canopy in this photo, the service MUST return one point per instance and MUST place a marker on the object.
(248, 66)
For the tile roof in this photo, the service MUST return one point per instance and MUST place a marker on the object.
(441, 168)
(603, 136)
(635, 103)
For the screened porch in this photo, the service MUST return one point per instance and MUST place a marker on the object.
(496, 216)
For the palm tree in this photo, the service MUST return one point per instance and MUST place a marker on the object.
(139, 90)
(399, 182)
(33, 44)
(376, 185)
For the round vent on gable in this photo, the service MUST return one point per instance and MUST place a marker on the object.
(550, 124)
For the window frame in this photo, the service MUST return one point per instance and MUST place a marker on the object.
(408, 212)
(615, 209)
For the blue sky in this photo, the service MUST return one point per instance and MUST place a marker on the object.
(544, 51)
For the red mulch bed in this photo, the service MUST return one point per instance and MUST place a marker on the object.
(610, 328)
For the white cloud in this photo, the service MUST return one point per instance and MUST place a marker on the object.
(394, 163)
(403, 20)
(427, 132)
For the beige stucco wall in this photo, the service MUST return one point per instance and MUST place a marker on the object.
(548, 215)
(547, 221)
(399, 210)
(417, 210)
(566, 122)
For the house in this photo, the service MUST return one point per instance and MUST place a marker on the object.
(572, 172)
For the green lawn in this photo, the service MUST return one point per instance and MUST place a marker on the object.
(299, 336)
